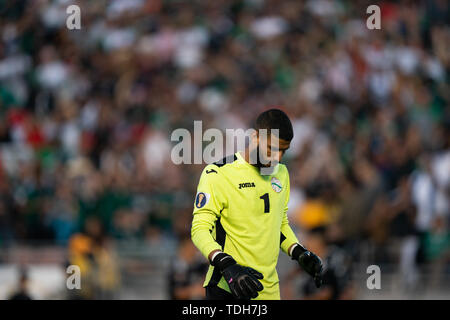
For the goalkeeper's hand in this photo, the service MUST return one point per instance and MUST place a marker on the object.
(309, 262)
(243, 281)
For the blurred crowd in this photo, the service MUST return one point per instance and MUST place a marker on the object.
(86, 116)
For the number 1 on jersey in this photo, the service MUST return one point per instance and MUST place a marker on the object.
(265, 197)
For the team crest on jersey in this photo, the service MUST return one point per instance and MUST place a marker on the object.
(276, 184)
(201, 199)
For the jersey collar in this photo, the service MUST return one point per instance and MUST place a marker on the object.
(241, 158)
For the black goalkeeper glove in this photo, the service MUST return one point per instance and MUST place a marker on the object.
(309, 262)
(243, 281)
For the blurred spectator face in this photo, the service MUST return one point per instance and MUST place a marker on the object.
(93, 227)
(315, 242)
(187, 250)
(153, 234)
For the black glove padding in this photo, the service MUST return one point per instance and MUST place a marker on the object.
(309, 262)
(243, 281)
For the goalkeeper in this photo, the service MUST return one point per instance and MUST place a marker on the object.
(239, 219)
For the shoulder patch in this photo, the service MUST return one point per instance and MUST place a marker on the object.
(201, 199)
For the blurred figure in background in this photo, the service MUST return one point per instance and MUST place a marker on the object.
(337, 274)
(80, 254)
(437, 251)
(315, 211)
(22, 292)
(92, 253)
(403, 230)
(186, 273)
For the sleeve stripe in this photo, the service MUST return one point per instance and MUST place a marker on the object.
(282, 238)
(220, 239)
(220, 234)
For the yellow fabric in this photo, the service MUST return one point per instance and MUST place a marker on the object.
(252, 235)
(80, 244)
(313, 214)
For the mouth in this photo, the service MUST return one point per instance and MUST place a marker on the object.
(268, 165)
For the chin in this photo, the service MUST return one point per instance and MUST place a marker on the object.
(265, 165)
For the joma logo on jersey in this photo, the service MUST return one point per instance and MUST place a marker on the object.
(246, 185)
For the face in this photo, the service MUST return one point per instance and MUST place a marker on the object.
(313, 242)
(187, 250)
(274, 149)
(93, 227)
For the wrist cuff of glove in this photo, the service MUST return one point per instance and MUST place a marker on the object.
(297, 251)
(223, 261)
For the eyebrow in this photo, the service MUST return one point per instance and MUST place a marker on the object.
(283, 149)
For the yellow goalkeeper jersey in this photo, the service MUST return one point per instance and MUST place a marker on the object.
(243, 213)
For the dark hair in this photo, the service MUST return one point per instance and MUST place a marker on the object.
(275, 119)
(319, 230)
